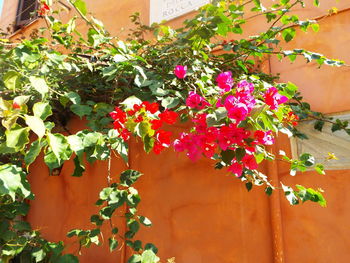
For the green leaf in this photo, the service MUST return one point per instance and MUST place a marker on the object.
(36, 125)
(135, 259)
(319, 125)
(259, 157)
(113, 244)
(268, 190)
(107, 212)
(240, 153)
(249, 186)
(143, 129)
(22, 226)
(289, 90)
(227, 156)
(150, 246)
(145, 221)
(73, 97)
(12, 181)
(122, 149)
(242, 66)
(130, 102)
(81, 110)
(148, 256)
(288, 34)
(76, 144)
(33, 152)
(91, 139)
(12, 80)
(310, 194)
(105, 192)
(316, 3)
(39, 254)
(129, 177)
(52, 161)
(17, 138)
(307, 159)
(222, 29)
(320, 168)
(95, 219)
(39, 84)
(59, 146)
(81, 6)
(42, 110)
(148, 143)
(79, 167)
(170, 102)
(284, 2)
(315, 27)
(289, 193)
(21, 100)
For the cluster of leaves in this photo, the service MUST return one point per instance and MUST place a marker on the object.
(110, 199)
(44, 82)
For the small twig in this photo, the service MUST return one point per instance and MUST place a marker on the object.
(109, 179)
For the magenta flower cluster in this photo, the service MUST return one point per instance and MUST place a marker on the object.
(238, 101)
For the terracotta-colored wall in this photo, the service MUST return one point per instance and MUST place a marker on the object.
(312, 233)
(201, 215)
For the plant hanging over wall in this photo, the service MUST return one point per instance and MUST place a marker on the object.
(139, 88)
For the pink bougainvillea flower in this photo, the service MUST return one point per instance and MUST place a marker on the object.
(182, 143)
(212, 134)
(235, 109)
(225, 80)
(264, 138)
(236, 169)
(180, 71)
(239, 112)
(200, 121)
(168, 116)
(208, 149)
(195, 101)
(249, 162)
(194, 153)
(179, 146)
(273, 98)
(245, 87)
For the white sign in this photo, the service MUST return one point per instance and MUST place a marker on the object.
(168, 9)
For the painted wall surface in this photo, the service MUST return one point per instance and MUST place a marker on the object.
(8, 14)
(201, 215)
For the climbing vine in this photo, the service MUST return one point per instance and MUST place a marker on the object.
(140, 88)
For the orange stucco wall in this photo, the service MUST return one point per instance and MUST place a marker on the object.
(201, 215)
